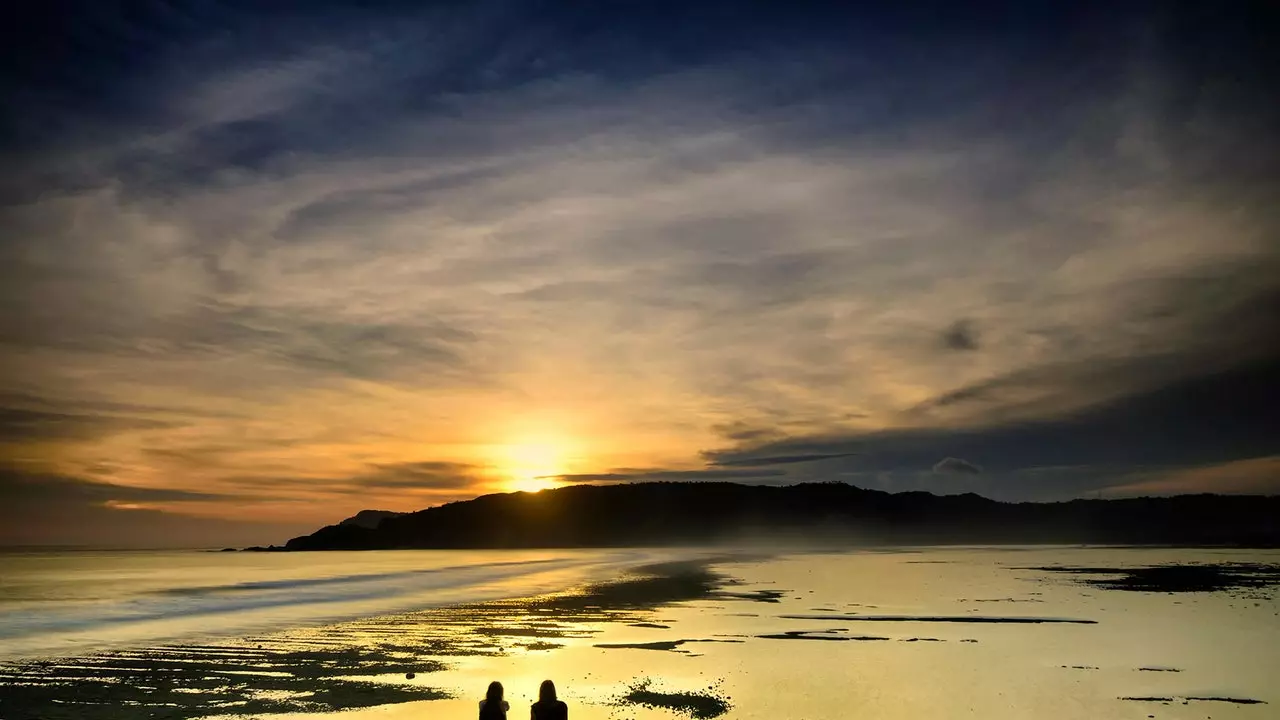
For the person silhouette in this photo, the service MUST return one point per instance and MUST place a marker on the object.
(493, 707)
(548, 707)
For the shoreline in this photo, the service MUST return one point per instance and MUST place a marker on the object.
(209, 596)
(339, 666)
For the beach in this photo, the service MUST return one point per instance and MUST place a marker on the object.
(990, 632)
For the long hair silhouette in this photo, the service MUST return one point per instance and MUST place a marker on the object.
(548, 707)
(547, 691)
(493, 707)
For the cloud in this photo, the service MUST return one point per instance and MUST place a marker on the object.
(21, 424)
(20, 487)
(1088, 449)
(431, 475)
(1258, 476)
(962, 335)
(660, 474)
(781, 459)
(1206, 324)
(44, 509)
(956, 465)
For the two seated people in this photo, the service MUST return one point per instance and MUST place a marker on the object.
(493, 707)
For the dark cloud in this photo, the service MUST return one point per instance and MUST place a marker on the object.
(1203, 323)
(18, 424)
(956, 465)
(18, 487)
(743, 432)
(82, 405)
(1221, 417)
(756, 461)
(30, 417)
(962, 335)
(657, 474)
(55, 510)
(420, 475)
(379, 478)
(43, 509)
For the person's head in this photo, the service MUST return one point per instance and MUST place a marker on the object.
(494, 694)
(547, 691)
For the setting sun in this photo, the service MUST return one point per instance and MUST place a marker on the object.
(533, 484)
(533, 465)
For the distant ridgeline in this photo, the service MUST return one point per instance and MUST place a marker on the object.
(673, 513)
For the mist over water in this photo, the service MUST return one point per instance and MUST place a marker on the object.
(63, 602)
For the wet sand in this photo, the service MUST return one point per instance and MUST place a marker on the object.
(738, 637)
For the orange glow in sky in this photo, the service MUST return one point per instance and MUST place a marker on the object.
(531, 465)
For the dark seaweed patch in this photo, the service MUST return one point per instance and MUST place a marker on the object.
(199, 696)
(668, 645)
(702, 705)
(540, 645)
(1176, 578)
(941, 619)
(817, 635)
(765, 596)
(1197, 698)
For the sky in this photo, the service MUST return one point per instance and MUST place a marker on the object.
(263, 265)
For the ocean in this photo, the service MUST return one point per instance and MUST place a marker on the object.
(989, 632)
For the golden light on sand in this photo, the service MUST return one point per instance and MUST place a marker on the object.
(534, 464)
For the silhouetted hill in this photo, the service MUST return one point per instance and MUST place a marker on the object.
(673, 513)
(369, 518)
